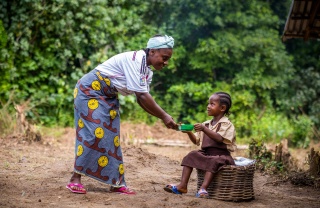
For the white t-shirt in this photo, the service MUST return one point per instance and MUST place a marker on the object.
(128, 72)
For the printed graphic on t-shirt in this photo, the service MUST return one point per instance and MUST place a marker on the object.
(143, 80)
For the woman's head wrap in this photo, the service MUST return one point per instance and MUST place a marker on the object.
(160, 42)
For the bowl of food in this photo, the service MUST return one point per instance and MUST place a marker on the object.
(186, 127)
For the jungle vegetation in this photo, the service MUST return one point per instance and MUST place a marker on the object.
(220, 45)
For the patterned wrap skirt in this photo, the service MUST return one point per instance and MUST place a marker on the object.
(97, 121)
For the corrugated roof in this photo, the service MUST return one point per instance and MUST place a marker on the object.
(303, 20)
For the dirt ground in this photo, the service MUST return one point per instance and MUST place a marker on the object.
(35, 175)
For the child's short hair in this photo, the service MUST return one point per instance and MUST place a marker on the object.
(225, 99)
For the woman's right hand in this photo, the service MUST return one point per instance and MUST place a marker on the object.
(147, 102)
(169, 122)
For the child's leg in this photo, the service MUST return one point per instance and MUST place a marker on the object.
(202, 192)
(207, 180)
(183, 186)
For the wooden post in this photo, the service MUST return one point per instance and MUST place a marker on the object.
(314, 162)
(278, 153)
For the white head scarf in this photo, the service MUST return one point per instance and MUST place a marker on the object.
(160, 42)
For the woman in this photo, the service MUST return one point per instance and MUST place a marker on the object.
(96, 111)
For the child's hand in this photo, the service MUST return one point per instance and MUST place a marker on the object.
(198, 127)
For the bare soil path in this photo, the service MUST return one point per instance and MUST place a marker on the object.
(35, 175)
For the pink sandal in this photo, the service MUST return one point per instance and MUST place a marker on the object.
(76, 188)
(122, 190)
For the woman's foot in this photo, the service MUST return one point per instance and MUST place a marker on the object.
(122, 190)
(76, 188)
(75, 185)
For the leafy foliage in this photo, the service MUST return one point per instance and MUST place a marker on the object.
(231, 46)
(303, 93)
(301, 131)
(263, 157)
(55, 43)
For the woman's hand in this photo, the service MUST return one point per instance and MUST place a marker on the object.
(169, 122)
(147, 102)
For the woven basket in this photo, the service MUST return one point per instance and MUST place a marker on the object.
(231, 183)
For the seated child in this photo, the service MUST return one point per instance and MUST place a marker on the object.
(218, 140)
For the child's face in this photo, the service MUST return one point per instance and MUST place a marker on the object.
(214, 108)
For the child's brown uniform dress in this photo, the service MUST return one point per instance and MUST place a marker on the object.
(213, 155)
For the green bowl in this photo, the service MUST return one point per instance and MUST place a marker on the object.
(186, 127)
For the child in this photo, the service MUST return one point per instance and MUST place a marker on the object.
(218, 140)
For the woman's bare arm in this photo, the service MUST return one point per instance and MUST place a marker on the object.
(146, 101)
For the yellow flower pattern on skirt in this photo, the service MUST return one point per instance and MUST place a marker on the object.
(97, 123)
